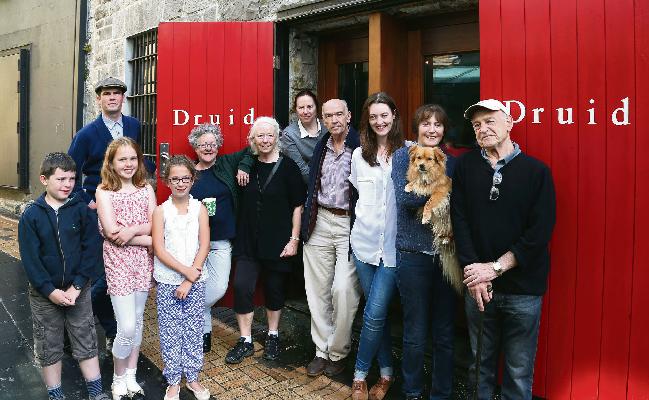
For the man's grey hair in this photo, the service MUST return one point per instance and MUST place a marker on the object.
(205, 129)
(253, 130)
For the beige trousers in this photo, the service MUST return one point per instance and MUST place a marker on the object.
(332, 287)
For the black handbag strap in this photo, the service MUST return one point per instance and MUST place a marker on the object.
(270, 176)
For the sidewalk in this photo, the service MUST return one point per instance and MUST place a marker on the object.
(254, 378)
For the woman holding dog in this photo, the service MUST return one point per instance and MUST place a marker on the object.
(373, 238)
(427, 299)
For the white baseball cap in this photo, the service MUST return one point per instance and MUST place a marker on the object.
(489, 104)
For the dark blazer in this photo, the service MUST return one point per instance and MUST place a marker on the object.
(310, 214)
(88, 148)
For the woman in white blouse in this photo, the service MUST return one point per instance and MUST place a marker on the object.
(373, 237)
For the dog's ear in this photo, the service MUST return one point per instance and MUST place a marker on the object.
(439, 155)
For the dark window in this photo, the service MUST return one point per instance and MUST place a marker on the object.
(352, 87)
(143, 87)
(453, 81)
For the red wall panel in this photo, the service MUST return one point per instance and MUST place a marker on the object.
(620, 186)
(638, 383)
(590, 201)
(538, 95)
(583, 54)
(564, 161)
(490, 55)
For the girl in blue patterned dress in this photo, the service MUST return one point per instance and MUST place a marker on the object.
(181, 241)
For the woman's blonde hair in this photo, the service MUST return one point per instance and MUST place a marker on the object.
(253, 130)
(109, 178)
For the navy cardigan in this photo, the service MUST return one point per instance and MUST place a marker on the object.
(310, 214)
(88, 148)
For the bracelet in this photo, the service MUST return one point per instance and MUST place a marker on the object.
(297, 239)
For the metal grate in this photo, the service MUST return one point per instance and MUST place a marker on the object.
(143, 88)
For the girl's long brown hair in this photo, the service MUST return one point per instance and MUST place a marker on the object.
(369, 144)
(109, 178)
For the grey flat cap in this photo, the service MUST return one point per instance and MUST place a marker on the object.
(110, 82)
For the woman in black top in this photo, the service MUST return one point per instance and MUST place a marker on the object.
(268, 226)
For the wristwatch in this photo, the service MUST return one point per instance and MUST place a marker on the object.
(498, 268)
(78, 287)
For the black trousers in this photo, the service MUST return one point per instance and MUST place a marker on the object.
(247, 272)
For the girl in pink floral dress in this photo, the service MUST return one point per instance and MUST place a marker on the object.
(125, 204)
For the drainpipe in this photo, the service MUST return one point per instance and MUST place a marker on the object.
(81, 69)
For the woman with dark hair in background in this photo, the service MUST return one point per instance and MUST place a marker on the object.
(299, 138)
(427, 299)
(373, 237)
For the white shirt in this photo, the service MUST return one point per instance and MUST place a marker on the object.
(181, 241)
(304, 133)
(375, 229)
(116, 128)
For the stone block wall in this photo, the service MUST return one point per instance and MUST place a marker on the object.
(111, 22)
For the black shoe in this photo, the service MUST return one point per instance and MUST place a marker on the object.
(335, 367)
(415, 397)
(271, 348)
(207, 342)
(239, 351)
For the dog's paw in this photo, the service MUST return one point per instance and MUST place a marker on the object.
(425, 218)
(408, 188)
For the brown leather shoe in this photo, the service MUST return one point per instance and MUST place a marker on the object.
(316, 366)
(380, 388)
(335, 367)
(359, 390)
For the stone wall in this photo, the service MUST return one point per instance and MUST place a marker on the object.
(111, 22)
(303, 64)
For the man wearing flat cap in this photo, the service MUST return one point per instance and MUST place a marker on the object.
(87, 149)
(503, 213)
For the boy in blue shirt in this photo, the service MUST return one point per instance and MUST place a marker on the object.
(59, 246)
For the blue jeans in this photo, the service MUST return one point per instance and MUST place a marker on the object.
(511, 321)
(102, 307)
(428, 302)
(379, 284)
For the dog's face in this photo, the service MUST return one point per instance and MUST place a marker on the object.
(430, 161)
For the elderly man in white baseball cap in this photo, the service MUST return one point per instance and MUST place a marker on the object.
(503, 213)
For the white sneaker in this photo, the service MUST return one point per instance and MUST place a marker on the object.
(131, 383)
(119, 387)
(202, 395)
(175, 397)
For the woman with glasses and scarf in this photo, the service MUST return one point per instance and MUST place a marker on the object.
(427, 298)
(217, 178)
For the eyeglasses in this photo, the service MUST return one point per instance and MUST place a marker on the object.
(185, 179)
(494, 192)
(207, 146)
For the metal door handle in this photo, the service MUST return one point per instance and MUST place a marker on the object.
(164, 156)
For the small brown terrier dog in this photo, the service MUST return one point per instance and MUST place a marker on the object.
(427, 177)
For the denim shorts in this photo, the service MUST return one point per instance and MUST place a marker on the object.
(50, 320)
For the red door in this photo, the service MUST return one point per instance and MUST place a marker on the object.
(219, 72)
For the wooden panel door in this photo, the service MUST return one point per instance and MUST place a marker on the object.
(219, 72)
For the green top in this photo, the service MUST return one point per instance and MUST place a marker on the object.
(225, 169)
